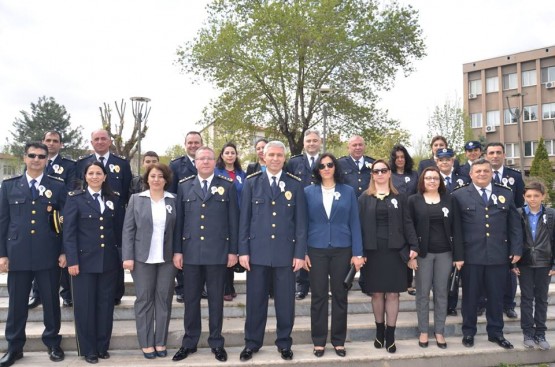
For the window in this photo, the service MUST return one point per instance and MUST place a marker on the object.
(475, 87)
(530, 148)
(476, 120)
(492, 118)
(509, 81)
(492, 84)
(548, 111)
(548, 74)
(9, 170)
(508, 119)
(549, 146)
(529, 78)
(530, 113)
(511, 150)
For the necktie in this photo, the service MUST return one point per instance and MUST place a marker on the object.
(97, 202)
(496, 177)
(274, 186)
(204, 187)
(101, 159)
(358, 164)
(448, 183)
(484, 196)
(311, 162)
(34, 191)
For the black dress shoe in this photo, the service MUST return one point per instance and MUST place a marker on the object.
(411, 291)
(220, 354)
(162, 353)
(179, 298)
(246, 354)
(56, 354)
(468, 341)
(67, 303)
(422, 344)
(183, 353)
(117, 302)
(91, 359)
(150, 355)
(104, 355)
(204, 294)
(441, 345)
(318, 352)
(34, 302)
(286, 354)
(300, 295)
(501, 341)
(510, 312)
(10, 357)
(451, 312)
(340, 352)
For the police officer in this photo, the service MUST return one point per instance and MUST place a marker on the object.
(356, 168)
(30, 247)
(92, 234)
(438, 142)
(137, 186)
(509, 177)
(272, 247)
(487, 223)
(64, 168)
(301, 166)
(445, 161)
(118, 177)
(473, 151)
(205, 245)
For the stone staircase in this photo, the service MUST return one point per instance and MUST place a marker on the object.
(360, 351)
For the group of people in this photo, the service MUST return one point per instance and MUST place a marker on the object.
(297, 228)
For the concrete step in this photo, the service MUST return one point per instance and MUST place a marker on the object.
(361, 327)
(360, 353)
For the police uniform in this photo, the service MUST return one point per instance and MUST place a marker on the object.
(181, 167)
(430, 162)
(456, 180)
(91, 239)
(206, 233)
(356, 177)
(32, 247)
(272, 231)
(489, 234)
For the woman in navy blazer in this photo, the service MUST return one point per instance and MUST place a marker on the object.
(91, 234)
(228, 165)
(334, 242)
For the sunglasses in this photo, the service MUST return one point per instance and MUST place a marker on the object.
(383, 171)
(322, 165)
(39, 156)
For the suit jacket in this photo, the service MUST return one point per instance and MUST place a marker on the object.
(513, 180)
(419, 213)
(206, 227)
(464, 170)
(342, 228)
(181, 167)
(430, 162)
(26, 236)
(272, 229)
(239, 181)
(138, 228)
(457, 180)
(489, 233)
(299, 165)
(405, 183)
(91, 237)
(401, 229)
(358, 179)
(63, 168)
(253, 168)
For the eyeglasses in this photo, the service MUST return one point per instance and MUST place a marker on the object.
(383, 171)
(324, 165)
(428, 178)
(204, 159)
(39, 156)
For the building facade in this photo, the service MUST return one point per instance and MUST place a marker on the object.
(511, 99)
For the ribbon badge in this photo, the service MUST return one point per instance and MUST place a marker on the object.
(504, 180)
(58, 169)
(407, 179)
(110, 205)
(213, 190)
(545, 219)
(337, 195)
(48, 194)
(368, 165)
(169, 208)
(511, 181)
(239, 179)
(282, 186)
(460, 182)
(42, 189)
(494, 198)
(394, 202)
(445, 212)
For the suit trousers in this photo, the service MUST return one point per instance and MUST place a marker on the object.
(433, 275)
(153, 306)
(93, 308)
(19, 286)
(303, 281)
(65, 290)
(490, 277)
(329, 268)
(534, 287)
(259, 279)
(196, 276)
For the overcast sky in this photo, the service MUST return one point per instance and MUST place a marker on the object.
(84, 53)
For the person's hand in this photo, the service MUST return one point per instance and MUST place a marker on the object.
(231, 260)
(4, 264)
(413, 264)
(357, 262)
(178, 261)
(129, 265)
(551, 272)
(516, 270)
(413, 254)
(298, 264)
(307, 264)
(458, 264)
(515, 259)
(244, 261)
(73, 270)
(62, 262)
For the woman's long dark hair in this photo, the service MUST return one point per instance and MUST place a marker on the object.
(337, 177)
(409, 163)
(220, 162)
(106, 189)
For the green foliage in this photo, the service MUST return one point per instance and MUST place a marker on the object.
(541, 168)
(448, 121)
(46, 115)
(270, 58)
(175, 151)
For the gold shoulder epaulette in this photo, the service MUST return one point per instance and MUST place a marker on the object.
(293, 176)
(177, 158)
(119, 156)
(13, 178)
(464, 185)
(503, 186)
(84, 157)
(117, 193)
(225, 178)
(513, 169)
(254, 174)
(55, 178)
(187, 178)
(296, 155)
(76, 192)
(68, 159)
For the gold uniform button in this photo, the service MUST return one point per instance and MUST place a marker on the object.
(202, 238)
(33, 221)
(32, 231)
(202, 216)
(101, 218)
(274, 214)
(101, 245)
(487, 216)
(273, 225)
(360, 180)
(360, 188)
(487, 234)
(486, 209)
(201, 227)
(32, 212)
(487, 225)
(101, 227)
(101, 236)
(273, 237)
(203, 205)
(273, 203)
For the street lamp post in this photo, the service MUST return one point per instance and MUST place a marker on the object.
(516, 114)
(325, 89)
(139, 104)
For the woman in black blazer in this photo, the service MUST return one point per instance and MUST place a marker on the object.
(259, 165)
(432, 214)
(389, 241)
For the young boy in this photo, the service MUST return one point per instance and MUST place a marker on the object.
(536, 266)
